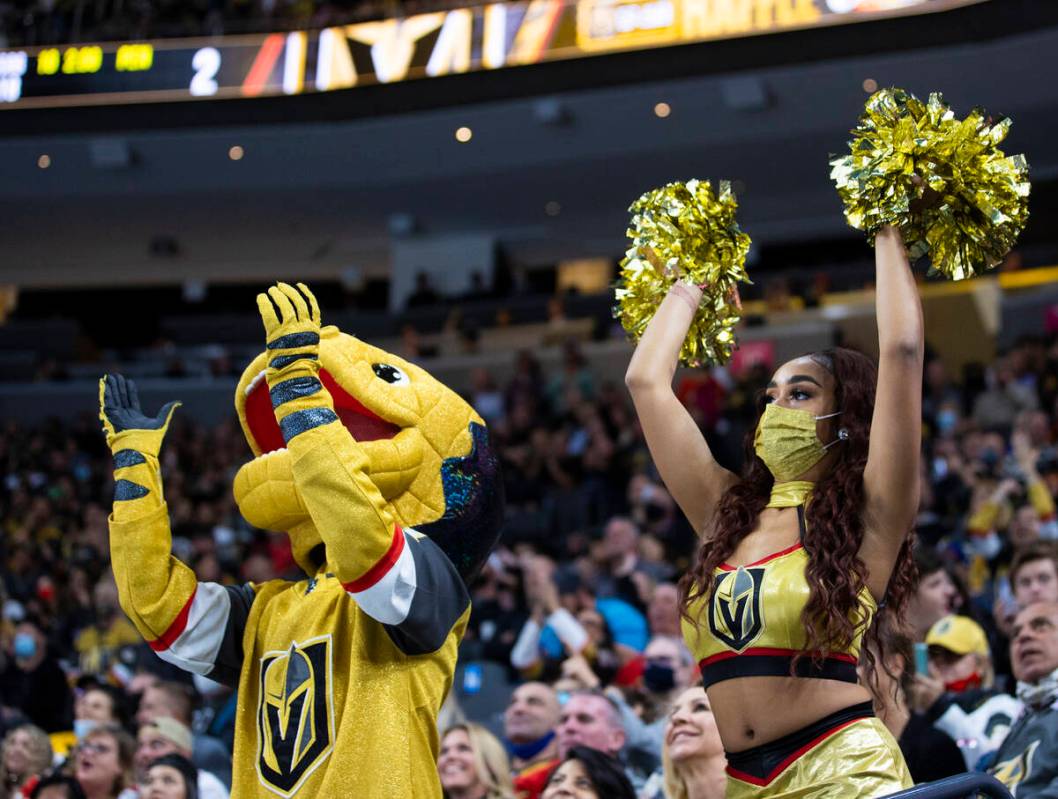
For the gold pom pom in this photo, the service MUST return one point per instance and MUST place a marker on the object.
(944, 182)
(684, 231)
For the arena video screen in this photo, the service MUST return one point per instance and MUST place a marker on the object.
(386, 51)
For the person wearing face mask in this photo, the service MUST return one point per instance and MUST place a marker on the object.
(805, 549)
(930, 753)
(1027, 762)
(529, 726)
(958, 696)
(94, 705)
(33, 681)
(667, 668)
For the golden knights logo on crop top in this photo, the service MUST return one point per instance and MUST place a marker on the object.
(295, 716)
(734, 608)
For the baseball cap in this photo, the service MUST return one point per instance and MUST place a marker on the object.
(960, 635)
(173, 731)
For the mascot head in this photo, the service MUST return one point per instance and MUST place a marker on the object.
(428, 453)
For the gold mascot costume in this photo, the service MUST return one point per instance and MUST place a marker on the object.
(384, 481)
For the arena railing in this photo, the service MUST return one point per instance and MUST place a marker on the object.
(964, 786)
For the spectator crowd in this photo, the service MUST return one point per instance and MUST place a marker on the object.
(573, 677)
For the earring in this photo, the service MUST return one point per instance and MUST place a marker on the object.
(843, 434)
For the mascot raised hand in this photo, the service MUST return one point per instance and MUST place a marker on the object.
(384, 481)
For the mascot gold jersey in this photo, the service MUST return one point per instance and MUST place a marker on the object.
(384, 481)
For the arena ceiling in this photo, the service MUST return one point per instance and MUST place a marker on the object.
(313, 198)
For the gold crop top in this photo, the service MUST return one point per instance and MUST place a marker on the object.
(752, 623)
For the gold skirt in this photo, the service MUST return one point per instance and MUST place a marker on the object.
(858, 759)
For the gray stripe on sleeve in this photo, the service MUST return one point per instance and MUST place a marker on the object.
(440, 599)
(228, 665)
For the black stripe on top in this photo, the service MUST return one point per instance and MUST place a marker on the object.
(777, 666)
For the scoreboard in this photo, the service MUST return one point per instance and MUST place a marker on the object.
(484, 37)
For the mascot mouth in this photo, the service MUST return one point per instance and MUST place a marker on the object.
(362, 424)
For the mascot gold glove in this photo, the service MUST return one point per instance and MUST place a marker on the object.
(327, 462)
(135, 441)
(152, 585)
(292, 339)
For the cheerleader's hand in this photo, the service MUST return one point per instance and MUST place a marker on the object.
(125, 425)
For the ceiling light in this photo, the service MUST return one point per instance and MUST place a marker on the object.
(662, 110)
(870, 85)
(553, 208)
(236, 153)
(464, 134)
(44, 161)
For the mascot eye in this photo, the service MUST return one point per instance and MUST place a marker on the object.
(391, 374)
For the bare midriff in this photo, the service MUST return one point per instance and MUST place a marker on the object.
(751, 711)
(756, 710)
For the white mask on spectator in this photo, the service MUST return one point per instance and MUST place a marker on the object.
(81, 727)
(1040, 694)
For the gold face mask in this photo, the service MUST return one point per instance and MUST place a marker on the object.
(786, 441)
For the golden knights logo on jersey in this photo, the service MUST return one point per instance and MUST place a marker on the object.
(295, 717)
(1017, 769)
(734, 609)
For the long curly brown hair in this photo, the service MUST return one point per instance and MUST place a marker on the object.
(834, 519)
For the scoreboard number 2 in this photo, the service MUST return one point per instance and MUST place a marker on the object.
(206, 63)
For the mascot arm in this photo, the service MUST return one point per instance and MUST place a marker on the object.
(398, 577)
(196, 626)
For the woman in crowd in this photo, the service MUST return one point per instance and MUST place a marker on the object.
(817, 531)
(103, 763)
(26, 753)
(692, 757)
(473, 764)
(588, 774)
(171, 777)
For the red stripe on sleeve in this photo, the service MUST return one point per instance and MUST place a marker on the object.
(167, 638)
(379, 570)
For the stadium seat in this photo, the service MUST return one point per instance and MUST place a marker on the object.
(960, 787)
